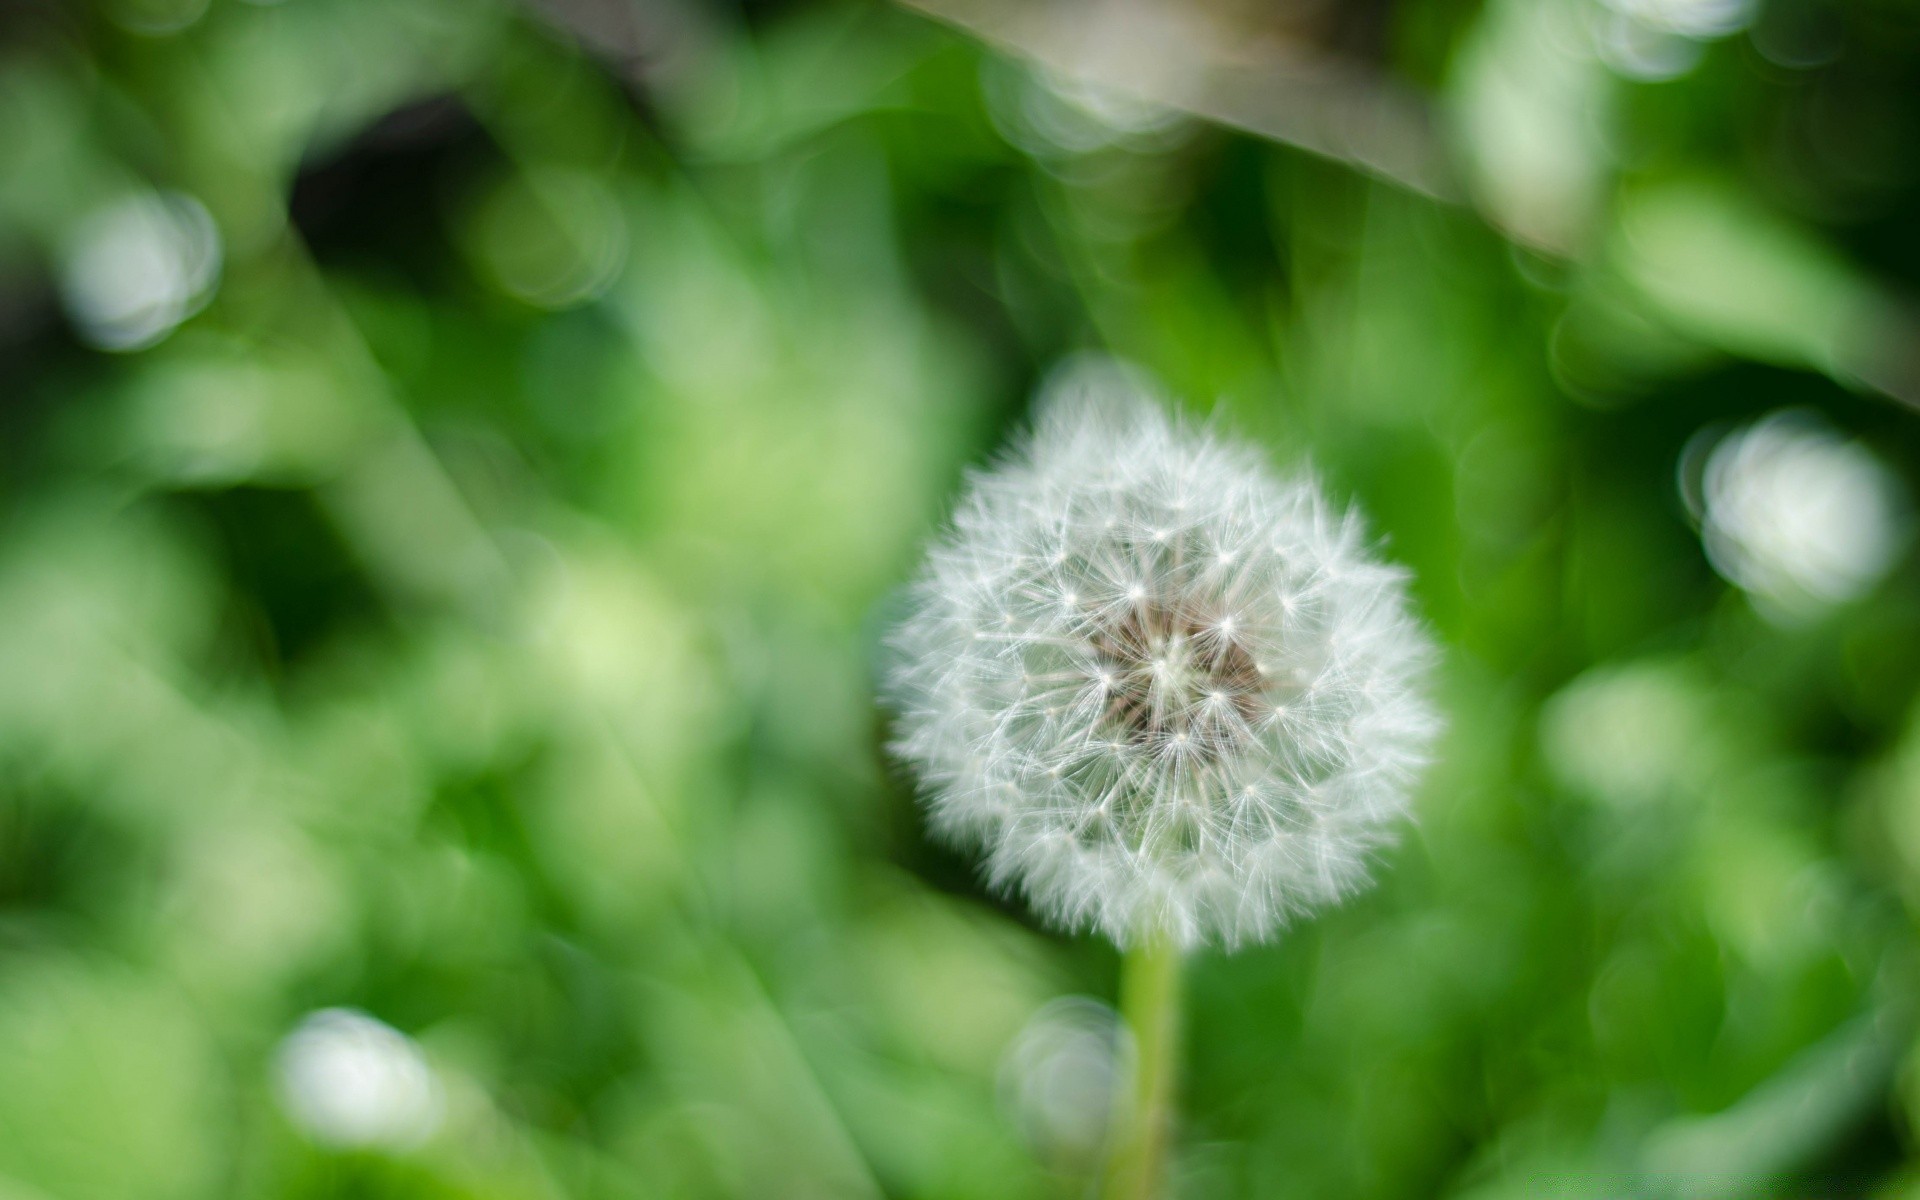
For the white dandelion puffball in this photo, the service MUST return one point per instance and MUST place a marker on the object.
(1167, 693)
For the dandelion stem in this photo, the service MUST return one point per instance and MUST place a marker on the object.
(1143, 1114)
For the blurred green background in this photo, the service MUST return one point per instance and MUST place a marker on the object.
(456, 455)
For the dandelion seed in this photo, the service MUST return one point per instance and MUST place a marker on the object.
(1246, 725)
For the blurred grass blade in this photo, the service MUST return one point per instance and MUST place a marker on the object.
(1181, 56)
(1721, 268)
(1783, 1125)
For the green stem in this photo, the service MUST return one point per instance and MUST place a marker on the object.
(1143, 1113)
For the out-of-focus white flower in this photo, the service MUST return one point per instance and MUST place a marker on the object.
(1690, 18)
(1661, 39)
(1797, 515)
(136, 268)
(1059, 1075)
(352, 1082)
(1165, 692)
(1649, 53)
(1048, 113)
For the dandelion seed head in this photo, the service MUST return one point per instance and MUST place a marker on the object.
(1210, 743)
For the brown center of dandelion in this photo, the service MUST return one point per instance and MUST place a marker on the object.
(1173, 676)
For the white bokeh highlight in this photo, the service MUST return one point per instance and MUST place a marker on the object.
(134, 269)
(1799, 516)
(1656, 40)
(1059, 1075)
(349, 1081)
